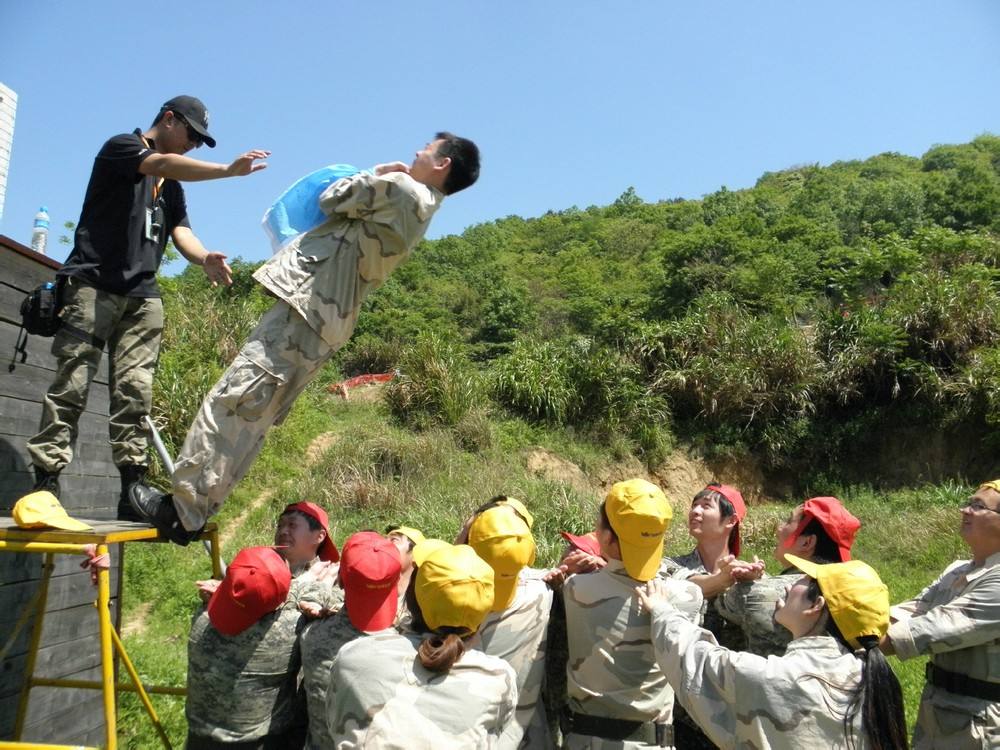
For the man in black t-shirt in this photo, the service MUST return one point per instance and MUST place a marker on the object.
(133, 205)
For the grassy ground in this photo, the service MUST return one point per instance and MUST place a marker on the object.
(368, 474)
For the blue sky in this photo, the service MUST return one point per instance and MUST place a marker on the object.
(570, 102)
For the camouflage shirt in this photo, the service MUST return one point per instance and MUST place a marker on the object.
(518, 636)
(243, 687)
(612, 670)
(741, 700)
(325, 274)
(727, 633)
(320, 642)
(381, 697)
(955, 620)
(750, 604)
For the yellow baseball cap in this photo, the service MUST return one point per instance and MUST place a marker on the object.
(640, 515)
(412, 534)
(454, 586)
(993, 485)
(855, 595)
(503, 539)
(41, 509)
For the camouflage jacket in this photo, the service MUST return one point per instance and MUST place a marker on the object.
(612, 670)
(320, 642)
(381, 697)
(325, 274)
(518, 635)
(956, 621)
(741, 700)
(243, 687)
(750, 605)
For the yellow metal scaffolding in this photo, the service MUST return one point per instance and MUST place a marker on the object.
(51, 542)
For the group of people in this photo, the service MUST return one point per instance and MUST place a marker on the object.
(399, 641)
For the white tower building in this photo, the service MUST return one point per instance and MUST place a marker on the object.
(8, 108)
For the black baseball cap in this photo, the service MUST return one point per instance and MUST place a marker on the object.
(194, 112)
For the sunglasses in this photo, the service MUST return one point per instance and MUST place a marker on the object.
(193, 135)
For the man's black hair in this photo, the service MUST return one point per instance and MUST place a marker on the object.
(464, 155)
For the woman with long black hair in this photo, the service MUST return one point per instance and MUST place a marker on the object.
(832, 689)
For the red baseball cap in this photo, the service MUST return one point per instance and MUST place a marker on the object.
(835, 519)
(584, 542)
(369, 573)
(736, 500)
(327, 550)
(256, 584)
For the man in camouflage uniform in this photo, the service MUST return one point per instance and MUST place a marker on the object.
(956, 621)
(820, 530)
(618, 697)
(369, 574)
(243, 659)
(110, 298)
(517, 627)
(321, 278)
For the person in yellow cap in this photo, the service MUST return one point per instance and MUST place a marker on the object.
(517, 626)
(617, 696)
(831, 689)
(425, 688)
(956, 621)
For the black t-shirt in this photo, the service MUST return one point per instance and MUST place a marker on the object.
(112, 248)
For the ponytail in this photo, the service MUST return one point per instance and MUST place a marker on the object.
(881, 697)
(439, 652)
(440, 649)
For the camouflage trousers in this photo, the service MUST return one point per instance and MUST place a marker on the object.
(131, 327)
(585, 742)
(276, 363)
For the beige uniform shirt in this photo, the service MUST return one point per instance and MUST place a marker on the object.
(518, 636)
(793, 702)
(381, 697)
(956, 621)
(325, 274)
(612, 670)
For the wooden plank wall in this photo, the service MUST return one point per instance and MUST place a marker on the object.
(89, 489)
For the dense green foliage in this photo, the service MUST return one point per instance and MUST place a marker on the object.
(783, 321)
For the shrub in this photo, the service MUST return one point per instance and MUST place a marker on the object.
(437, 384)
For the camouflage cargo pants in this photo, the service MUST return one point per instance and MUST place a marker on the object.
(131, 328)
(953, 722)
(280, 357)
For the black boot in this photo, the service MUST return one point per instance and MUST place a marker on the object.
(46, 480)
(131, 474)
(157, 509)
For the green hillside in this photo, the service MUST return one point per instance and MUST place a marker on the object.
(832, 330)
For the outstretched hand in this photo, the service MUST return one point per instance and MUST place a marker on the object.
(207, 588)
(244, 164)
(217, 270)
(653, 593)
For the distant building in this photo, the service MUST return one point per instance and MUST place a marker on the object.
(8, 108)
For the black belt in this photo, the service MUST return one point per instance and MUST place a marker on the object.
(660, 735)
(962, 684)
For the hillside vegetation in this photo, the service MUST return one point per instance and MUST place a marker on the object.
(832, 330)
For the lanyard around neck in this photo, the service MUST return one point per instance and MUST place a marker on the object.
(159, 183)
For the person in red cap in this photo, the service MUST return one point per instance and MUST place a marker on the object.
(714, 523)
(243, 658)
(302, 538)
(370, 569)
(820, 530)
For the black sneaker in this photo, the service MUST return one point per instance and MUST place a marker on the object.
(157, 509)
(46, 480)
